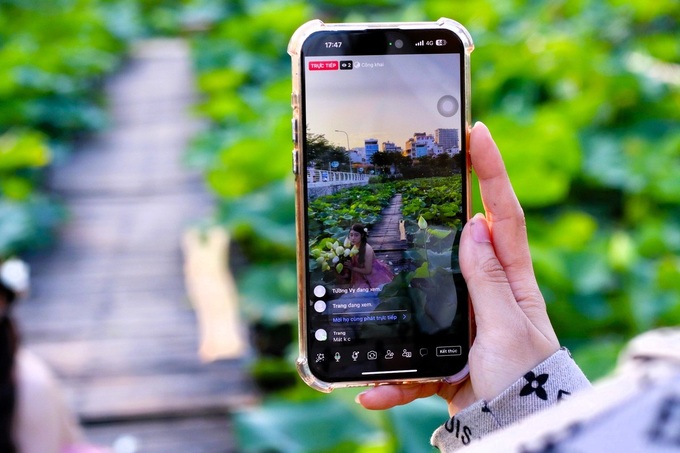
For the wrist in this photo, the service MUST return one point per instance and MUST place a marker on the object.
(493, 372)
(552, 380)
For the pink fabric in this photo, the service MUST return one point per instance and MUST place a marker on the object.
(380, 275)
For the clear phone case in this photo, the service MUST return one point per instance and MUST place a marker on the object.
(294, 50)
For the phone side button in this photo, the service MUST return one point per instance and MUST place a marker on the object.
(295, 162)
(294, 125)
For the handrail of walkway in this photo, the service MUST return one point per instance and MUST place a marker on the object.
(323, 177)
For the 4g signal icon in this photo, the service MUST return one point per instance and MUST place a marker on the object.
(429, 42)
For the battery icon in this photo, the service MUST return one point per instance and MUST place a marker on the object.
(440, 42)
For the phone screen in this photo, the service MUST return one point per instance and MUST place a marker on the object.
(385, 194)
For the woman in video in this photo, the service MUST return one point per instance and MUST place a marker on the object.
(367, 271)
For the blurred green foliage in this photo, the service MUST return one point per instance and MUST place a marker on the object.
(54, 54)
(582, 97)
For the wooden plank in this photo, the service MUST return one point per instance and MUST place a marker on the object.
(385, 236)
(207, 434)
(147, 397)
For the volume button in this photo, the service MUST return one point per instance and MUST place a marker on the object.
(294, 124)
(295, 162)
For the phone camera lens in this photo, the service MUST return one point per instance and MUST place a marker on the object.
(398, 43)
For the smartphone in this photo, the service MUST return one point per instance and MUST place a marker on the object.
(380, 129)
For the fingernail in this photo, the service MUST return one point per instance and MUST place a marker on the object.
(358, 397)
(480, 229)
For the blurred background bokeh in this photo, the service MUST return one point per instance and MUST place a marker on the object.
(582, 97)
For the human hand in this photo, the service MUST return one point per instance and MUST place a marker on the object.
(514, 333)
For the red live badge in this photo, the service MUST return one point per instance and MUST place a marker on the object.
(330, 65)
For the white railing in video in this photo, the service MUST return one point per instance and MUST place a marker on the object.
(326, 177)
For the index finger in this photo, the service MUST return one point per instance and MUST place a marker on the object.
(504, 214)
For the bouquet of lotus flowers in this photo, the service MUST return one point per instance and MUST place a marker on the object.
(330, 254)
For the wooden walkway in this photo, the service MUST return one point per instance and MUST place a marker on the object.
(386, 237)
(109, 311)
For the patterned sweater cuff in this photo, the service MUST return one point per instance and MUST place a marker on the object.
(552, 380)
